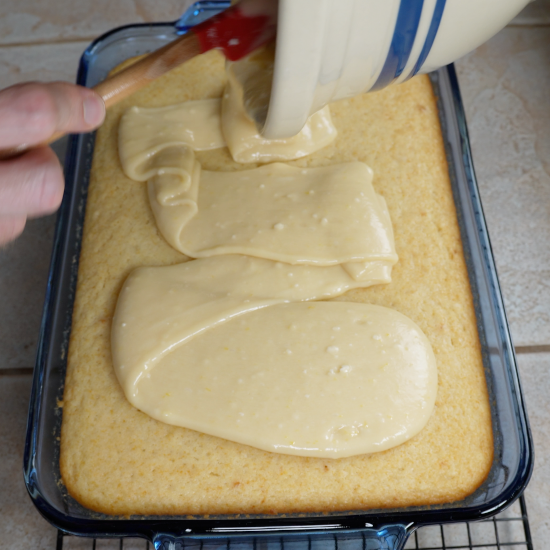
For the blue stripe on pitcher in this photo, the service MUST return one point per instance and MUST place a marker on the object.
(430, 37)
(402, 42)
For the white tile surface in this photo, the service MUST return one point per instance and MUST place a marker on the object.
(31, 21)
(40, 62)
(535, 378)
(535, 13)
(21, 526)
(24, 269)
(505, 87)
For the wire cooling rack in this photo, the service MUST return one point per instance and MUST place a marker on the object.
(507, 531)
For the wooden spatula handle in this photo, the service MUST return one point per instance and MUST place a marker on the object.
(131, 79)
(138, 75)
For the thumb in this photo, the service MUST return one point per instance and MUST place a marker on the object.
(32, 112)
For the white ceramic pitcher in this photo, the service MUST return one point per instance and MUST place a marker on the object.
(332, 49)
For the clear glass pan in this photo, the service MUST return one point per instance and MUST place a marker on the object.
(388, 528)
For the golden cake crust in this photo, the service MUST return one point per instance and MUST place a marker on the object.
(117, 460)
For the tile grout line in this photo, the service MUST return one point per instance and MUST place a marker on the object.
(21, 371)
(83, 40)
(70, 40)
(528, 25)
(532, 349)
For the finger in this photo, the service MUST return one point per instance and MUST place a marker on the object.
(32, 184)
(33, 112)
(10, 228)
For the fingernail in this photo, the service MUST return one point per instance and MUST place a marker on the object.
(94, 111)
(51, 197)
(52, 187)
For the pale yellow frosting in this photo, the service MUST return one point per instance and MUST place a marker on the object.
(162, 307)
(246, 144)
(317, 216)
(204, 345)
(211, 124)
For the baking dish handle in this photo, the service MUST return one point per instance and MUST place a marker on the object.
(390, 537)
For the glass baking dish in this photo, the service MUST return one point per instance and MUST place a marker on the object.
(386, 528)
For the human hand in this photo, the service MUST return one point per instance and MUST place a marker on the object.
(31, 185)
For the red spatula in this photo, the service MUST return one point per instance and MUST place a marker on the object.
(237, 31)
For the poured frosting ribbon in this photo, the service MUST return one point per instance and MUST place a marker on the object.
(315, 216)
